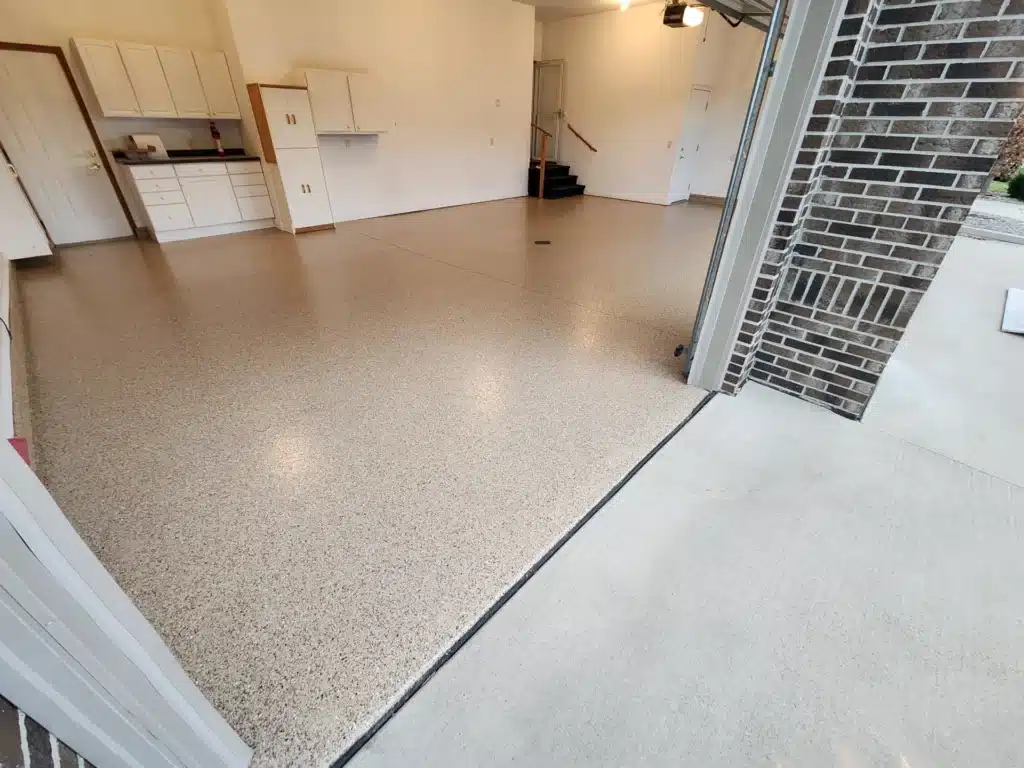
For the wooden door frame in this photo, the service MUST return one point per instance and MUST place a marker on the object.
(57, 51)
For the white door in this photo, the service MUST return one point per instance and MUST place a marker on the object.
(290, 118)
(21, 234)
(48, 141)
(369, 103)
(330, 100)
(183, 79)
(302, 176)
(688, 147)
(148, 80)
(211, 200)
(108, 78)
(547, 105)
(216, 78)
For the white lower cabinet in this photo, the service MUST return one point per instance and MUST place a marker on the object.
(211, 200)
(167, 217)
(190, 200)
(255, 208)
(305, 188)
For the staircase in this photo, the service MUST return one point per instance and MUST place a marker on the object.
(558, 182)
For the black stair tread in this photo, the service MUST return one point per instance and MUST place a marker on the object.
(553, 169)
(560, 192)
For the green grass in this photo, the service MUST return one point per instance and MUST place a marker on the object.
(998, 186)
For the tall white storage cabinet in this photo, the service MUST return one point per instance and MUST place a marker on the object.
(284, 119)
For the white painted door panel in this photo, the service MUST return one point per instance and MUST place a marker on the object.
(211, 201)
(147, 79)
(688, 147)
(108, 78)
(183, 79)
(217, 84)
(330, 101)
(290, 118)
(48, 141)
(302, 176)
(369, 103)
(21, 234)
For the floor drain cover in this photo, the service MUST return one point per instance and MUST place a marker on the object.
(542, 242)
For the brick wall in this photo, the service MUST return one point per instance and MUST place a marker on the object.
(24, 743)
(914, 106)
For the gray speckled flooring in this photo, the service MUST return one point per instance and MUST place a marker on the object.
(313, 461)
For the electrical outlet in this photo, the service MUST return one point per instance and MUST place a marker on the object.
(497, 102)
(669, 145)
(492, 141)
(348, 142)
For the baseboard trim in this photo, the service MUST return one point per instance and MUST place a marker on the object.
(707, 200)
(317, 228)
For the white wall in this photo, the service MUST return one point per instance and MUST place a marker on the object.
(628, 79)
(732, 82)
(446, 64)
(185, 23)
(538, 41)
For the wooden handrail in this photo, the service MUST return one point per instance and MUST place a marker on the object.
(576, 133)
(537, 127)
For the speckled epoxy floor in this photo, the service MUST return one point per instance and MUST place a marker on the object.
(313, 461)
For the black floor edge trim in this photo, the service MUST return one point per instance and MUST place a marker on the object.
(411, 691)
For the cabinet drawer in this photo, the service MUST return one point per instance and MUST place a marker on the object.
(192, 170)
(162, 198)
(211, 201)
(254, 208)
(247, 179)
(152, 171)
(239, 169)
(157, 185)
(165, 217)
(256, 190)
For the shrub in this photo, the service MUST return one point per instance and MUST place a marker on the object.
(1015, 188)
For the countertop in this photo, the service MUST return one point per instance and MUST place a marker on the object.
(188, 156)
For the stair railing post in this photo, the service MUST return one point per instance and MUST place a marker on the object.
(543, 163)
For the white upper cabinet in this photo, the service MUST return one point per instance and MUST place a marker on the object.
(369, 103)
(289, 117)
(108, 78)
(216, 79)
(329, 97)
(147, 79)
(183, 79)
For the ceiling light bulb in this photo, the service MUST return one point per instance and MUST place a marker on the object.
(623, 5)
(693, 16)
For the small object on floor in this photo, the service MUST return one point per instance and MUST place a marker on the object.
(542, 242)
(1013, 313)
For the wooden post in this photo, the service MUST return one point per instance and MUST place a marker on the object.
(543, 164)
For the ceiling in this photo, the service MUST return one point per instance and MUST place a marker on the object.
(552, 10)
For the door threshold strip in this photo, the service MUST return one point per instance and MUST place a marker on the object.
(356, 746)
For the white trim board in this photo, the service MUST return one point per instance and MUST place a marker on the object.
(802, 56)
(195, 233)
(101, 632)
